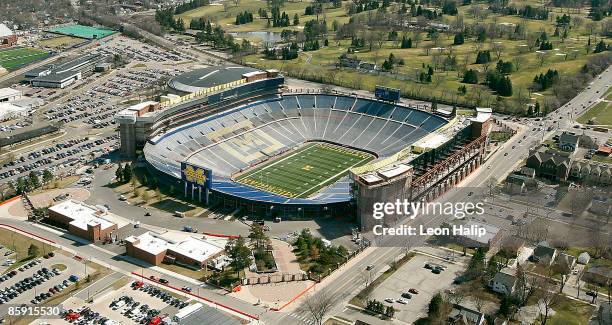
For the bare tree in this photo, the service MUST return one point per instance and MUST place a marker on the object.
(318, 305)
(546, 297)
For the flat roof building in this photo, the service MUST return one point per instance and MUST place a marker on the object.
(82, 220)
(65, 73)
(154, 248)
(9, 94)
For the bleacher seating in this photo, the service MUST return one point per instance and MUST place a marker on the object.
(236, 139)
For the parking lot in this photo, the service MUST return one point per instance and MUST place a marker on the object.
(134, 303)
(414, 275)
(39, 280)
(57, 156)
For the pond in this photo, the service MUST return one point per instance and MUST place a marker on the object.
(266, 37)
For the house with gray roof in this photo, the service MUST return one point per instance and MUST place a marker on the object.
(504, 281)
(544, 254)
(568, 141)
(463, 315)
(549, 164)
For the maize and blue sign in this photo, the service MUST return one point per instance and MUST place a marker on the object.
(387, 94)
(196, 175)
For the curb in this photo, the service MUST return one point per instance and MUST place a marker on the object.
(10, 200)
(294, 298)
(2, 225)
(220, 235)
(200, 297)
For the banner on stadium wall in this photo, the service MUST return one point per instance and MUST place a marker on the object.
(196, 175)
(386, 93)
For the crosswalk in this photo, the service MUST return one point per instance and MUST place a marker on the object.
(302, 318)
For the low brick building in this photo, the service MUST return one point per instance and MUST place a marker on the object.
(82, 220)
(154, 248)
(7, 37)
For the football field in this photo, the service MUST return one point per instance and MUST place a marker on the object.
(305, 171)
(13, 59)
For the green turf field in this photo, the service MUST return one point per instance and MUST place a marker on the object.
(13, 59)
(305, 171)
(82, 31)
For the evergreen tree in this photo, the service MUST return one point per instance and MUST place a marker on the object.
(119, 173)
(459, 39)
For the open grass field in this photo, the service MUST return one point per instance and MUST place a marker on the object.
(600, 114)
(13, 59)
(568, 55)
(305, 171)
(61, 41)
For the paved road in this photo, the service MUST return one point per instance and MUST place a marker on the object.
(501, 164)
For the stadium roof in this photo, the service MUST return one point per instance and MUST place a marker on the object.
(5, 31)
(195, 80)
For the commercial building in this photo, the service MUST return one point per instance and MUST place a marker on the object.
(82, 220)
(154, 248)
(7, 37)
(65, 73)
(10, 94)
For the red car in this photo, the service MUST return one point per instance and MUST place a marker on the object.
(413, 290)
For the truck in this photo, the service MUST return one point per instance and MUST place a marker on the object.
(179, 214)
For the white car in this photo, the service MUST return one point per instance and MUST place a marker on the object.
(402, 301)
(389, 300)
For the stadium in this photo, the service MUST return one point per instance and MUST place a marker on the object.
(236, 137)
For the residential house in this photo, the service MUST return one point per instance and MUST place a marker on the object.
(549, 164)
(566, 261)
(519, 184)
(544, 254)
(591, 172)
(604, 151)
(504, 281)
(568, 141)
(463, 315)
(598, 274)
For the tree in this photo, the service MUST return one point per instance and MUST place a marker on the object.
(459, 39)
(470, 77)
(318, 305)
(33, 180)
(127, 172)
(47, 176)
(239, 253)
(296, 20)
(33, 250)
(546, 297)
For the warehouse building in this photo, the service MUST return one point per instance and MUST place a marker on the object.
(154, 248)
(9, 94)
(82, 220)
(66, 73)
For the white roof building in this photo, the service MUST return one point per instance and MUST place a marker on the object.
(9, 94)
(188, 247)
(82, 215)
(5, 31)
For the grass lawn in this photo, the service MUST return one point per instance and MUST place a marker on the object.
(227, 19)
(569, 312)
(61, 41)
(198, 275)
(600, 114)
(13, 59)
(305, 171)
(20, 244)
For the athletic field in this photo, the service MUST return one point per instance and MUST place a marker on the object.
(13, 59)
(305, 171)
(82, 31)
